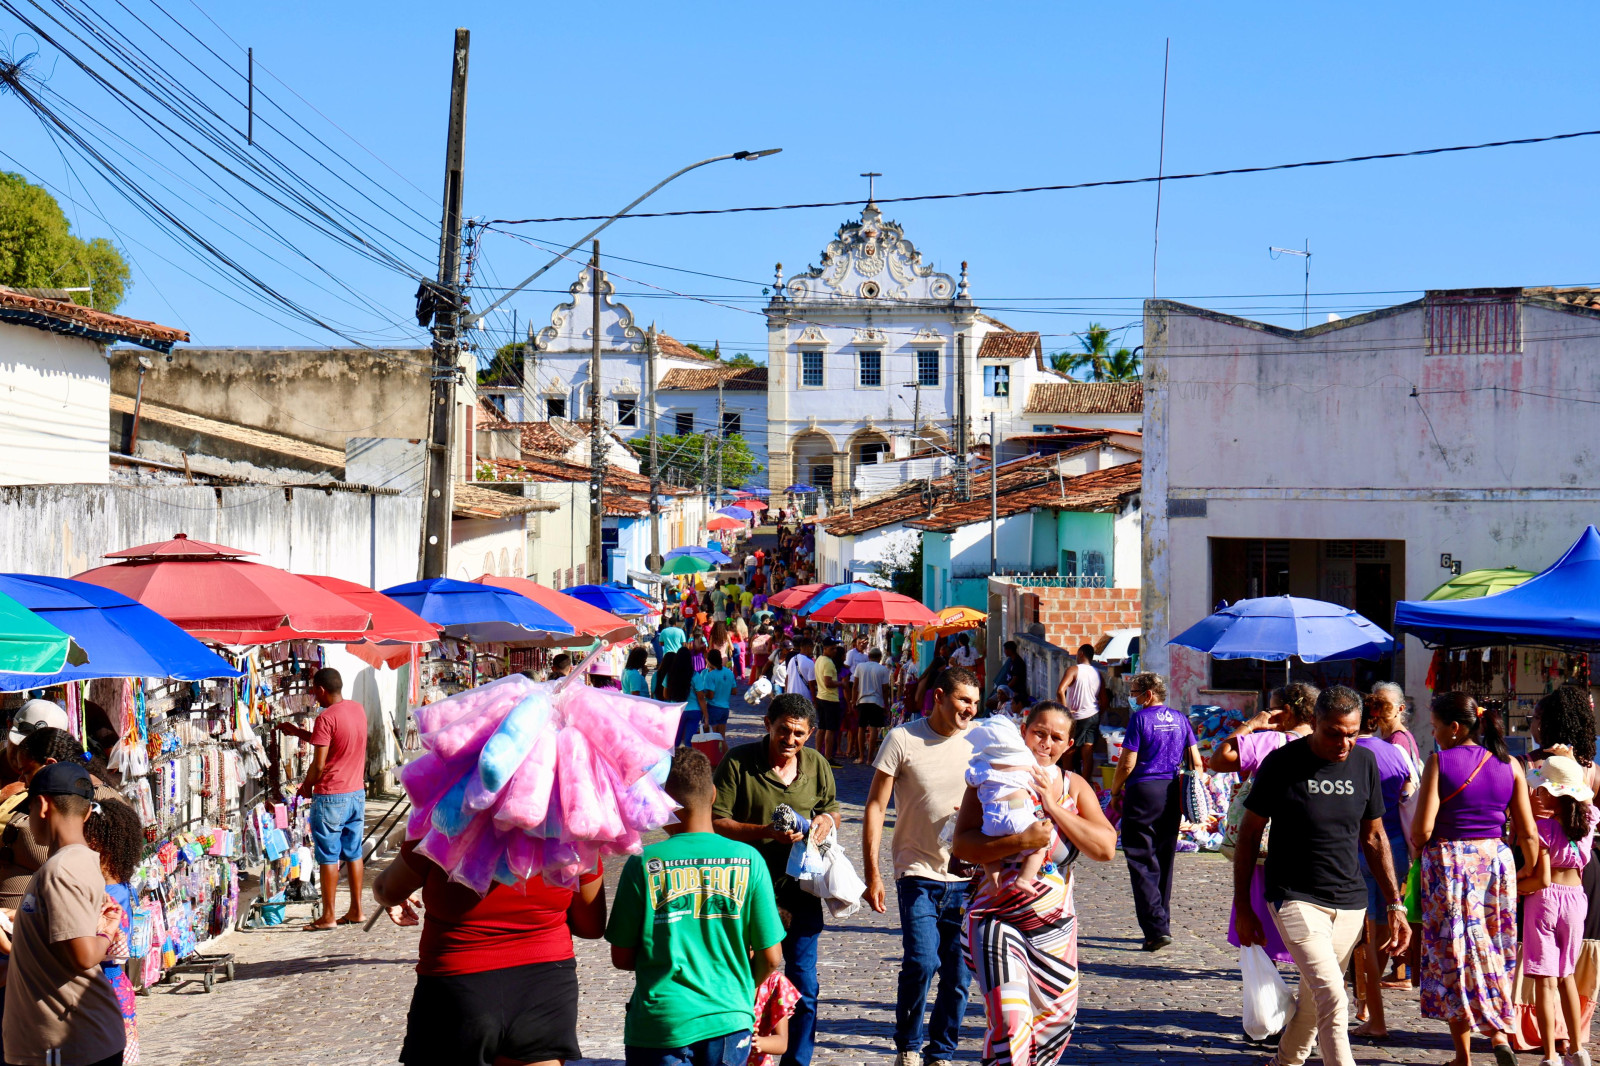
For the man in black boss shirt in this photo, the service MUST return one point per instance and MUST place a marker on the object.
(1322, 795)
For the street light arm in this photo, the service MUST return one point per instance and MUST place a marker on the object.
(472, 320)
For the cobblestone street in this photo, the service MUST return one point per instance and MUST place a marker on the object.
(341, 997)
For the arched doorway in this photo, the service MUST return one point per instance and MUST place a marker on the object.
(812, 459)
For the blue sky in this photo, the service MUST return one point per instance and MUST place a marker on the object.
(570, 113)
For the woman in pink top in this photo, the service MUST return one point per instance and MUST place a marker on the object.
(1291, 710)
(1468, 887)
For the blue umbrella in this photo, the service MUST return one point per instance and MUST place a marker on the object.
(828, 595)
(753, 489)
(695, 551)
(609, 599)
(799, 488)
(122, 637)
(1275, 628)
(735, 511)
(484, 613)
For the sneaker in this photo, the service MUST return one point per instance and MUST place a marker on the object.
(1156, 943)
(1576, 1058)
(939, 1062)
(908, 1058)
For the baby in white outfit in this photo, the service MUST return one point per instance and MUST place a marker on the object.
(1001, 769)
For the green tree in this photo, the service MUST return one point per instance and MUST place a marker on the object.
(741, 360)
(39, 251)
(901, 563)
(1096, 361)
(691, 459)
(505, 368)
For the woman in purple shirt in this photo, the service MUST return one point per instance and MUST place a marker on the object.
(1469, 884)
(1158, 743)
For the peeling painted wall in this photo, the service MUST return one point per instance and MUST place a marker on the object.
(54, 394)
(1351, 429)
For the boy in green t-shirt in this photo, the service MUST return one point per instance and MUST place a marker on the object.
(689, 914)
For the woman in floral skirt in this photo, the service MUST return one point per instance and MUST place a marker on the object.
(1469, 882)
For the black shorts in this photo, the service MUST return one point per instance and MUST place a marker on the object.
(1085, 731)
(870, 716)
(524, 1013)
(828, 714)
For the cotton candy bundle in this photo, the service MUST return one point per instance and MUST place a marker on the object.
(523, 779)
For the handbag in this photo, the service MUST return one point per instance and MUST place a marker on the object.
(1196, 800)
(1235, 815)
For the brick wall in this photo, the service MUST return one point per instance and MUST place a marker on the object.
(1074, 616)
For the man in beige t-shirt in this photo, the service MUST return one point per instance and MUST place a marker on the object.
(59, 1006)
(923, 766)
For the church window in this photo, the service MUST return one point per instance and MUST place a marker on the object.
(928, 368)
(811, 369)
(555, 407)
(871, 369)
(731, 424)
(685, 421)
(627, 412)
(997, 381)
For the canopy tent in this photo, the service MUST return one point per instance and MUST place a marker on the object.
(120, 636)
(723, 522)
(751, 503)
(1559, 608)
(1475, 583)
(872, 608)
(469, 611)
(214, 594)
(391, 624)
(952, 620)
(29, 644)
(791, 598)
(695, 551)
(591, 623)
(800, 489)
(752, 489)
(831, 593)
(1276, 628)
(733, 510)
(607, 598)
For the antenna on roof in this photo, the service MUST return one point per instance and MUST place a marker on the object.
(1305, 306)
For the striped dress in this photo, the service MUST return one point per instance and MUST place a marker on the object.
(1022, 944)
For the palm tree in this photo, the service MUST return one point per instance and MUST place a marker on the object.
(1097, 362)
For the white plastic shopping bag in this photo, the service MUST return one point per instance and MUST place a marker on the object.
(1267, 999)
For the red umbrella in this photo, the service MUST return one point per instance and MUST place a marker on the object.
(722, 521)
(591, 622)
(863, 608)
(391, 624)
(208, 589)
(750, 503)
(795, 597)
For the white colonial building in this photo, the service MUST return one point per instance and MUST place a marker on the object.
(556, 369)
(872, 339)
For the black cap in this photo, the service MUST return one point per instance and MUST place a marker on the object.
(62, 779)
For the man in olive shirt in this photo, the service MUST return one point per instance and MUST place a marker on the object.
(923, 766)
(751, 783)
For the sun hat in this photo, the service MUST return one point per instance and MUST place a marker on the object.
(36, 714)
(1562, 776)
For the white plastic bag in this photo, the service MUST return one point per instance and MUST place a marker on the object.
(842, 887)
(1267, 999)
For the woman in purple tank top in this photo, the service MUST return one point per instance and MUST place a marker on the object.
(1469, 882)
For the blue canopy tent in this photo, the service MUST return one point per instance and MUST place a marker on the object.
(735, 511)
(800, 488)
(121, 637)
(752, 489)
(828, 595)
(608, 598)
(695, 551)
(483, 613)
(1278, 628)
(1559, 608)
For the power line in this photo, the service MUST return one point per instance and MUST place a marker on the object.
(1067, 187)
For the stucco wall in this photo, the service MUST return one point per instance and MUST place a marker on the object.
(1351, 430)
(54, 394)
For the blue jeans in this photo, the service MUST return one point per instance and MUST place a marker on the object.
(931, 918)
(1377, 906)
(732, 1049)
(800, 967)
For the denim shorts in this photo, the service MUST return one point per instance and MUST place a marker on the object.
(730, 1050)
(337, 824)
(1377, 906)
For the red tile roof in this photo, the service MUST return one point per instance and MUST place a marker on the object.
(536, 468)
(1086, 397)
(745, 379)
(1010, 345)
(61, 316)
(908, 502)
(1098, 490)
(475, 501)
(672, 346)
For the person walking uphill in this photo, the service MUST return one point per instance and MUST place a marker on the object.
(922, 766)
(1324, 798)
(336, 780)
(752, 782)
(1159, 741)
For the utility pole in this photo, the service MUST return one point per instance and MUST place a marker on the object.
(597, 453)
(916, 413)
(654, 562)
(994, 498)
(436, 504)
(963, 481)
(722, 435)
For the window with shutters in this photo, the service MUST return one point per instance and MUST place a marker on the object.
(927, 368)
(871, 369)
(811, 369)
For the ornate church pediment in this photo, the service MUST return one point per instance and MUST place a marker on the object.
(812, 335)
(870, 260)
(870, 336)
(571, 327)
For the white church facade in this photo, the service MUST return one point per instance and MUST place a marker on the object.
(872, 355)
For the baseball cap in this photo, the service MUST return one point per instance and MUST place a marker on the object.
(36, 714)
(62, 779)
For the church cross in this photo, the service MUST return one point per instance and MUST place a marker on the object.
(871, 176)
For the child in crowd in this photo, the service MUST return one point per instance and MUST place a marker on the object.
(117, 836)
(1001, 769)
(1552, 923)
(693, 916)
(59, 1005)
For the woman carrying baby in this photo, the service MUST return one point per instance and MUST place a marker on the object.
(1022, 933)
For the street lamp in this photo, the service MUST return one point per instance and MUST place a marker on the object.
(474, 319)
